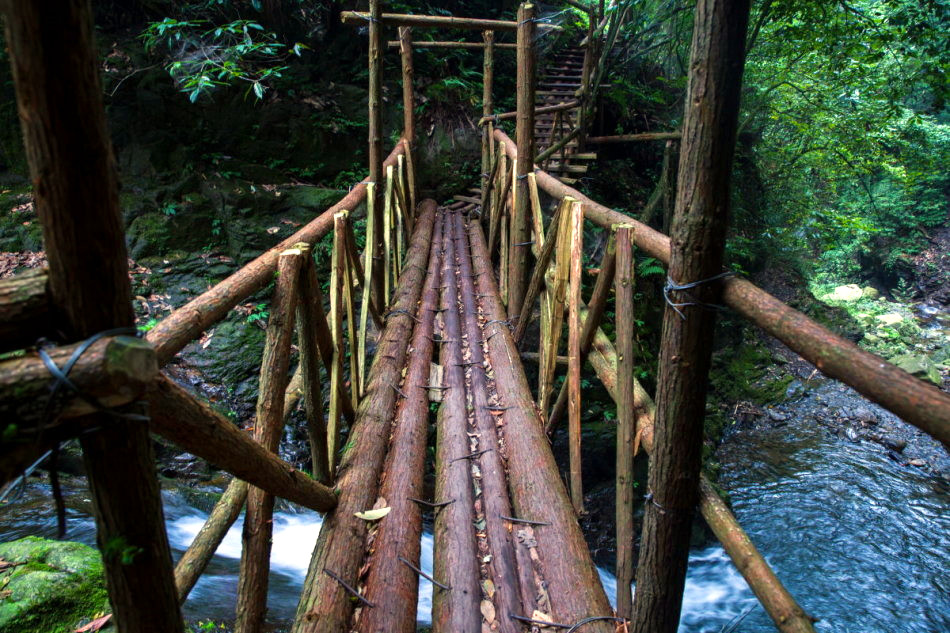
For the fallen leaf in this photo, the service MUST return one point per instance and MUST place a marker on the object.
(488, 611)
(95, 625)
(488, 586)
(373, 515)
(274, 229)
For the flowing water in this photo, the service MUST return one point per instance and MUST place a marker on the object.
(861, 539)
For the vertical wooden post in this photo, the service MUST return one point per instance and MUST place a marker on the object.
(388, 236)
(376, 137)
(698, 236)
(669, 186)
(356, 365)
(626, 419)
(268, 428)
(367, 279)
(310, 320)
(59, 97)
(337, 279)
(549, 344)
(520, 226)
(488, 105)
(574, 356)
(408, 106)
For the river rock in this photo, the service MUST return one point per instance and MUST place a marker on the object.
(850, 292)
(49, 586)
(919, 366)
(897, 444)
(870, 292)
(778, 416)
(892, 318)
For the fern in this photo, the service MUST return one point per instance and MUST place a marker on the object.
(650, 266)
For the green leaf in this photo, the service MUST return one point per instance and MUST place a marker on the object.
(258, 90)
(373, 515)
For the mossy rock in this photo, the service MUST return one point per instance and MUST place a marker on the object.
(919, 366)
(51, 587)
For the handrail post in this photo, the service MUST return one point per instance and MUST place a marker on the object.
(488, 78)
(520, 228)
(376, 138)
(696, 255)
(408, 106)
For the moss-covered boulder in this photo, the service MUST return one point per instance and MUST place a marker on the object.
(49, 586)
(919, 366)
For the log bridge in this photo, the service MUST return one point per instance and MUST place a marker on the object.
(447, 282)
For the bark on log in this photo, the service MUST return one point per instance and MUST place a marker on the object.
(193, 562)
(268, 429)
(697, 247)
(52, 50)
(358, 18)
(912, 399)
(185, 324)
(324, 604)
(469, 45)
(626, 419)
(630, 138)
(510, 577)
(520, 219)
(788, 616)
(24, 309)
(200, 430)
(225, 512)
(312, 334)
(455, 559)
(598, 303)
(113, 371)
(391, 585)
(534, 482)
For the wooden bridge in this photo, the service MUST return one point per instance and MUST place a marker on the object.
(509, 553)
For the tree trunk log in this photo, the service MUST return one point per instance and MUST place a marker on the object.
(196, 558)
(113, 371)
(200, 430)
(455, 560)
(24, 309)
(510, 579)
(626, 418)
(520, 219)
(324, 603)
(697, 245)
(268, 429)
(391, 585)
(52, 52)
(533, 478)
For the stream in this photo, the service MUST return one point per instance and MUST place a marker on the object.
(858, 536)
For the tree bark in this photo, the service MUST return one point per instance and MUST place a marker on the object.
(520, 220)
(455, 560)
(626, 419)
(533, 479)
(200, 430)
(24, 309)
(268, 429)
(324, 604)
(59, 97)
(699, 229)
(509, 576)
(391, 585)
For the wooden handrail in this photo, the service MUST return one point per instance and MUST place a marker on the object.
(360, 18)
(915, 401)
(185, 323)
(567, 105)
(472, 45)
(629, 138)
